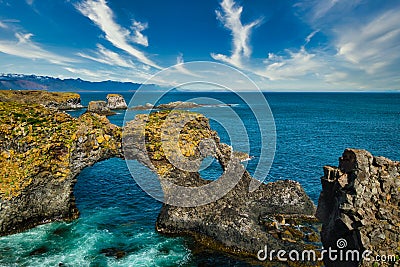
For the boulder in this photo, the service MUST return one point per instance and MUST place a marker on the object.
(99, 107)
(359, 207)
(116, 101)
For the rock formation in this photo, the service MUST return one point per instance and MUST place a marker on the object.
(360, 203)
(99, 107)
(60, 101)
(278, 214)
(116, 101)
(41, 153)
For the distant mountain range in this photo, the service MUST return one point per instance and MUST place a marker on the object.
(33, 82)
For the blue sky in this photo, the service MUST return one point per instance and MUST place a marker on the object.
(331, 45)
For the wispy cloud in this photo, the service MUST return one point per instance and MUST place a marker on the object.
(138, 36)
(100, 13)
(230, 17)
(2, 25)
(180, 67)
(24, 47)
(295, 65)
(108, 57)
(372, 46)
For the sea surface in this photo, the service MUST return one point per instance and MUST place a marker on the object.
(312, 130)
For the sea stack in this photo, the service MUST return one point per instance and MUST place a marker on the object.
(359, 206)
(116, 101)
(99, 107)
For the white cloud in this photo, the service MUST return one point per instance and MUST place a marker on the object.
(24, 47)
(231, 19)
(99, 12)
(180, 67)
(3, 26)
(108, 57)
(298, 64)
(29, 2)
(372, 46)
(138, 36)
(86, 72)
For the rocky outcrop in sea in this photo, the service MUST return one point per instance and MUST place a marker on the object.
(360, 208)
(100, 107)
(279, 215)
(116, 101)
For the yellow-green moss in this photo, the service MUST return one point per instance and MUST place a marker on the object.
(36, 141)
(164, 124)
(35, 97)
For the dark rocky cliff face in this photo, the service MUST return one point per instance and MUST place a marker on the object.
(360, 203)
(41, 153)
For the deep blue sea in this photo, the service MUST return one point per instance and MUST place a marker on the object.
(312, 130)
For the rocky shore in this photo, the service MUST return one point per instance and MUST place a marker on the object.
(60, 101)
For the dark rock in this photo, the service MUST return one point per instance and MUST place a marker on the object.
(359, 203)
(39, 251)
(178, 105)
(99, 107)
(113, 252)
(116, 101)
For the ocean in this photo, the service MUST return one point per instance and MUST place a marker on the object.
(118, 217)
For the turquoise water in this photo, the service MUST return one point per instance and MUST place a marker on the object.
(118, 218)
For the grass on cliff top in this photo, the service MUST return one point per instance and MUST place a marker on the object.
(35, 97)
(37, 142)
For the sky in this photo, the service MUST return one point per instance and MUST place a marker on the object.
(305, 45)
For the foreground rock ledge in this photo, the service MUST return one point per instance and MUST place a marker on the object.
(360, 202)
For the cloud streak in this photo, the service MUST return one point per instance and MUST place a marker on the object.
(24, 47)
(372, 46)
(230, 17)
(100, 13)
(108, 57)
(138, 36)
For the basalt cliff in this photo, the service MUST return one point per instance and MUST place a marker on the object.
(359, 207)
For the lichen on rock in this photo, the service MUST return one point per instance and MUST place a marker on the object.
(99, 107)
(57, 100)
(41, 153)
